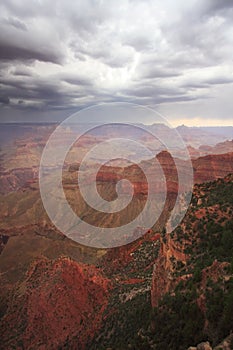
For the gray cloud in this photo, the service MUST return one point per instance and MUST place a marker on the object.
(61, 56)
(4, 100)
(10, 52)
(77, 81)
(140, 42)
(215, 6)
(15, 22)
(220, 80)
(22, 71)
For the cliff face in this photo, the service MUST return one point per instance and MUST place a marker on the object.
(192, 282)
(162, 279)
(173, 247)
(60, 302)
(206, 168)
(212, 167)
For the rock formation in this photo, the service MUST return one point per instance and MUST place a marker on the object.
(60, 302)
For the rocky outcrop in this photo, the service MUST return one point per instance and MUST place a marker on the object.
(194, 269)
(226, 344)
(172, 253)
(115, 261)
(204, 346)
(60, 303)
(201, 346)
(162, 278)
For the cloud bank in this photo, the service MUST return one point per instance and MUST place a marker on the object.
(60, 56)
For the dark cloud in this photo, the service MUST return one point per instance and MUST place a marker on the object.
(4, 100)
(9, 52)
(33, 93)
(216, 6)
(61, 56)
(158, 95)
(23, 38)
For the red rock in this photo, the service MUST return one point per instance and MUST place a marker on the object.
(59, 301)
(162, 280)
(212, 167)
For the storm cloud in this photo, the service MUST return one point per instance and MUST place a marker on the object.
(59, 56)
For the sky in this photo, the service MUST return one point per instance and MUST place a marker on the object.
(57, 57)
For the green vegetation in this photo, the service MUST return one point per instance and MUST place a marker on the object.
(199, 307)
(123, 325)
(179, 319)
(129, 309)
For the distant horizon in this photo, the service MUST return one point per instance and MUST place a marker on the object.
(112, 122)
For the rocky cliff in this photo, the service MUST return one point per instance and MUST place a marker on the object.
(162, 279)
(192, 282)
(59, 304)
(212, 167)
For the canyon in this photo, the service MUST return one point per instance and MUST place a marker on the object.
(56, 293)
